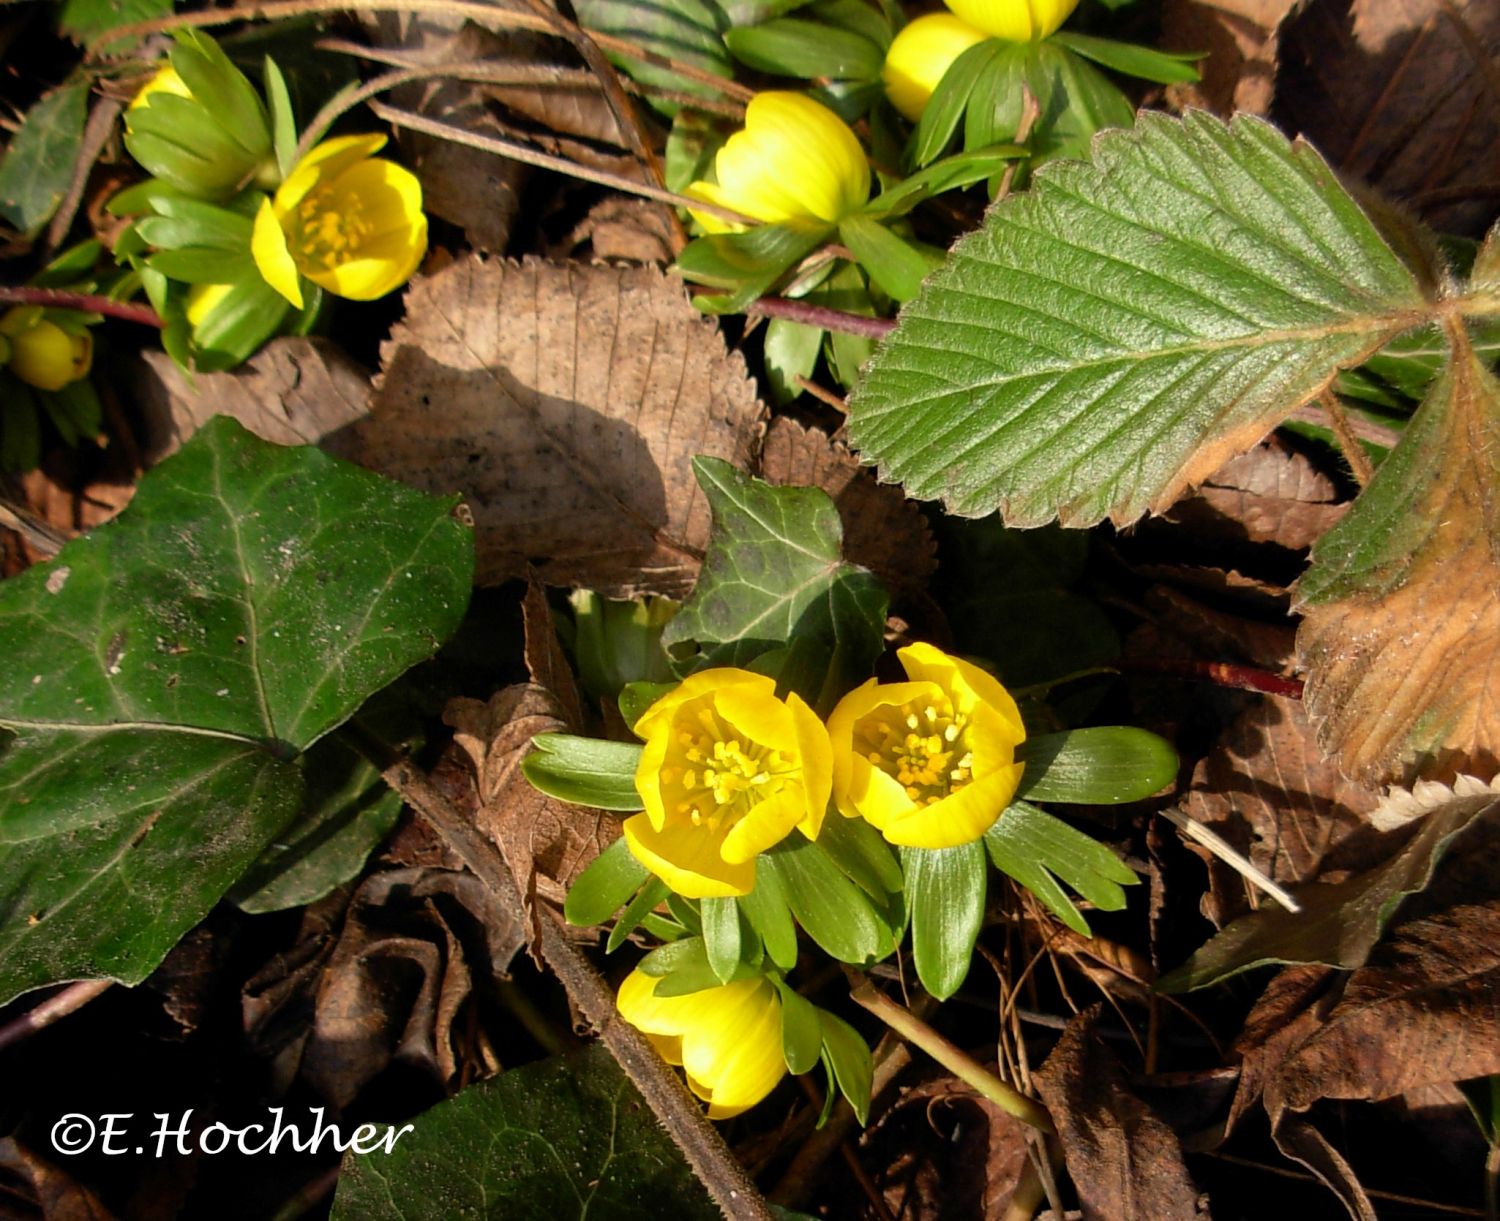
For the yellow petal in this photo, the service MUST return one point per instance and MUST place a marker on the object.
(878, 798)
(758, 715)
(1014, 20)
(920, 55)
(733, 1051)
(816, 753)
(166, 81)
(687, 859)
(323, 162)
(765, 824)
(795, 158)
(709, 192)
(272, 256)
(705, 682)
(965, 682)
(959, 818)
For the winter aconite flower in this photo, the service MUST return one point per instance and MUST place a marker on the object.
(727, 771)
(350, 222)
(43, 354)
(920, 55)
(794, 160)
(728, 1039)
(929, 762)
(1014, 20)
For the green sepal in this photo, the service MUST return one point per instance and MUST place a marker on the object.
(945, 892)
(948, 174)
(801, 1030)
(766, 909)
(849, 1062)
(862, 853)
(1037, 849)
(222, 91)
(682, 967)
(637, 698)
(895, 264)
(945, 109)
(721, 936)
(241, 322)
(1102, 766)
(282, 116)
(584, 771)
(1145, 63)
(835, 913)
(605, 886)
(747, 264)
(653, 894)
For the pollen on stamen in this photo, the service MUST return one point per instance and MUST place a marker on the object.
(911, 720)
(951, 733)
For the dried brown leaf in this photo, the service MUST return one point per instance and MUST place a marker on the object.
(1401, 630)
(1240, 37)
(1124, 1161)
(29, 1180)
(293, 391)
(566, 402)
(546, 662)
(883, 530)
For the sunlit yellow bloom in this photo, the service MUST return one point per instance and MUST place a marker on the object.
(350, 222)
(728, 1039)
(929, 762)
(166, 81)
(794, 160)
(727, 771)
(920, 55)
(42, 354)
(1014, 20)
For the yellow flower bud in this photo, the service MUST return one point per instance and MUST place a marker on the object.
(350, 222)
(728, 1039)
(166, 81)
(794, 160)
(728, 770)
(920, 55)
(42, 354)
(1014, 20)
(929, 762)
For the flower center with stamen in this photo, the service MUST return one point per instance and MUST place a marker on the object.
(922, 745)
(716, 776)
(331, 227)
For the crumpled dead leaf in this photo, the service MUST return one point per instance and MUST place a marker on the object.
(567, 403)
(1240, 37)
(293, 391)
(28, 1179)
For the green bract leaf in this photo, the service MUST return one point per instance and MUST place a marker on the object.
(1163, 67)
(161, 674)
(790, 46)
(960, 170)
(774, 579)
(894, 264)
(801, 1030)
(765, 907)
(584, 771)
(636, 698)
(849, 1062)
(569, 1137)
(39, 163)
(652, 895)
(1036, 849)
(1102, 766)
(1114, 334)
(721, 936)
(945, 109)
(834, 911)
(945, 894)
(604, 886)
(747, 264)
(683, 968)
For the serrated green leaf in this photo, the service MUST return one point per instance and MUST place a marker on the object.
(834, 912)
(790, 46)
(774, 576)
(1340, 922)
(161, 673)
(1114, 334)
(605, 886)
(569, 1137)
(1036, 850)
(1102, 766)
(584, 771)
(801, 1030)
(849, 1062)
(39, 162)
(945, 889)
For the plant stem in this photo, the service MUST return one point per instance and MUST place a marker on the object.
(59, 1005)
(89, 303)
(819, 315)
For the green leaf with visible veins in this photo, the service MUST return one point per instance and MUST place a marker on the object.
(39, 164)
(775, 582)
(1116, 333)
(160, 676)
(569, 1137)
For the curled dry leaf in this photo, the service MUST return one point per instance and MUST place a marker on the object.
(546, 662)
(567, 403)
(883, 530)
(293, 391)
(1125, 1162)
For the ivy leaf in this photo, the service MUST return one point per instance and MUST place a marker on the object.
(39, 164)
(162, 674)
(569, 1137)
(774, 581)
(1421, 545)
(1116, 333)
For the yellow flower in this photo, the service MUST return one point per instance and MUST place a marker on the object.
(350, 222)
(203, 299)
(166, 81)
(920, 55)
(1014, 20)
(42, 354)
(929, 762)
(794, 160)
(727, 771)
(728, 1038)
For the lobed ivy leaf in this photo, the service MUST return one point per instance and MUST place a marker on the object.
(161, 675)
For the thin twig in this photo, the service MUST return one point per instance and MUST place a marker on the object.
(1354, 452)
(1231, 856)
(89, 303)
(1220, 673)
(822, 394)
(1287, 1172)
(71, 999)
(664, 1092)
(819, 315)
(34, 532)
(96, 133)
(530, 156)
(1365, 430)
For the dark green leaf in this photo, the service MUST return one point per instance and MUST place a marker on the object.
(566, 1138)
(791, 351)
(683, 968)
(801, 1030)
(945, 109)
(1163, 67)
(849, 1061)
(584, 771)
(39, 162)
(84, 20)
(162, 672)
(860, 851)
(684, 31)
(774, 576)
(608, 882)
(1103, 766)
(790, 46)
(960, 170)
(945, 890)
(1115, 333)
(1036, 850)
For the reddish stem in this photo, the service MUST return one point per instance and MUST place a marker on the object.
(821, 315)
(1221, 673)
(89, 303)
